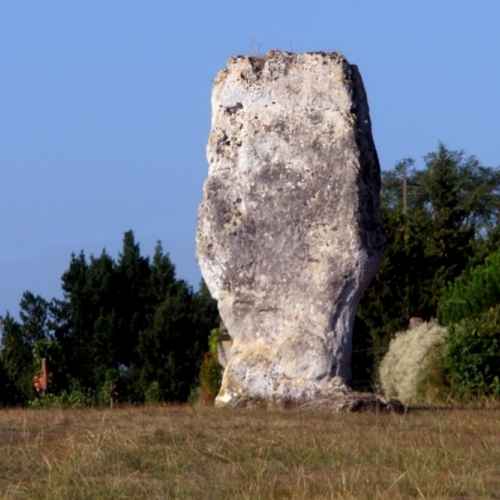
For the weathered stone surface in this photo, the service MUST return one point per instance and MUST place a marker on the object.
(288, 230)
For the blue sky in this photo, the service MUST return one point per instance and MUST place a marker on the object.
(104, 108)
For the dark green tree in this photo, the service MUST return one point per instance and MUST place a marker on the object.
(17, 361)
(76, 316)
(128, 326)
(446, 198)
(103, 287)
(133, 299)
(439, 220)
(7, 390)
(162, 274)
(168, 348)
(206, 314)
(34, 314)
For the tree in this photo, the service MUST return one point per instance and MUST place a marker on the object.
(9, 395)
(162, 274)
(129, 325)
(34, 311)
(5, 390)
(206, 314)
(168, 347)
(75, 314)
(133, 299)
(17, 361)
(439, 220)
(103, 288)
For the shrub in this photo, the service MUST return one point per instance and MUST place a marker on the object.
(213, 341)
(152, 394)
(108, 391)
(194, 395)
(472, 293)
(433, 385)
(405, 371)
(472, 355)
(210, 377)
(75, 398)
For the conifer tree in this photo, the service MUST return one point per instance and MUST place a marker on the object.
(34, 311)
(439, 220)
(133, 299)
(17, 361)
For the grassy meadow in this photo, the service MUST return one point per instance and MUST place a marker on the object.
(190, 452)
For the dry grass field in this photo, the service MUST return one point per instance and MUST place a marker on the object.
(185, 452)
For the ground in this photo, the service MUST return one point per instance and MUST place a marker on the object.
(189, 452)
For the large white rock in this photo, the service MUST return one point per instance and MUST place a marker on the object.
(288, 231)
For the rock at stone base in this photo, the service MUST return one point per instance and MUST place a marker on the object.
(288, 229)
(366, 402)
(345, 401)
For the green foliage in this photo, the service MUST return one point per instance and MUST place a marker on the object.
(398, 292)
(63, 400)
(75, 398)
(439, 220)
(472, 355)
(205, 316)
(469, 362)
(126, 330)
(34, 314)
(213, 341)
(473, 292)
(133, 302)
(194, 395)
(107, 393)
(433, 386)
(152, 394)
(162, 273)
(9, 394)
(17, 361)
(168, 348)
(210, 377)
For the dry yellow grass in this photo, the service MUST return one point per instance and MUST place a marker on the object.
(181, 452)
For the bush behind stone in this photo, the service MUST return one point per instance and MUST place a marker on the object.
(404, 372)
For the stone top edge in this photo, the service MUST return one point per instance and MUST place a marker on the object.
(277, 54)
(252, 67)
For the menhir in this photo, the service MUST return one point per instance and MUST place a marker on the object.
(288, 232)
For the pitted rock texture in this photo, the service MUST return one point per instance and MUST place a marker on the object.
(288, 229)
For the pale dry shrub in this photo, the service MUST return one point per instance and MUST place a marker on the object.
(411, 355)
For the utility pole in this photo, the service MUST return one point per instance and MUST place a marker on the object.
(405, 193)
(406, 237)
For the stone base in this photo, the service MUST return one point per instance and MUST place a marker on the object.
(345, 400)
(358, 402)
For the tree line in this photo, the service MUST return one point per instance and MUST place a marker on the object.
(441, 220)
(129, 329)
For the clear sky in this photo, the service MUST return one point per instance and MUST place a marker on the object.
(104, 108)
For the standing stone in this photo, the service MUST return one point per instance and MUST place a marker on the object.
(288, 232)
